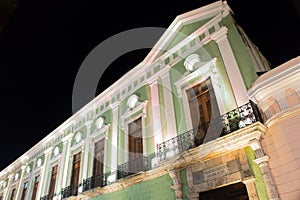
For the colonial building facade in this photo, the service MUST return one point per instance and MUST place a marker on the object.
(192, 121)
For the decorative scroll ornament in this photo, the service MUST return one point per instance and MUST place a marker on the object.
(99, 122)
(56, 151)
(191, 62)
(132, 101)
(16, 176)
(78, 137)
(39, 162)
(28, 168)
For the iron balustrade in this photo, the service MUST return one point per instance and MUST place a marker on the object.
(94, 181)
(240, 117)
(71, 190)
(234, 120)
(47, 197)
(133, 166)
(175, 145)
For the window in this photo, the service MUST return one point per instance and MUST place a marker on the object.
(75, 173)
(53, 181)
(135, 148)
(24, 191)
(203, 107)
(12, 196)
(35, 188)
(98, 162)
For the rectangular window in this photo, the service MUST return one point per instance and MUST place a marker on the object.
(203, 107)
(24, 191)
(53, 181)
(135, 148)
(98, 163)
(12, 196)
(35, 188)
(75, 173)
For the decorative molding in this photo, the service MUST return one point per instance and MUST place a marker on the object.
(99, 122)
(132, 101)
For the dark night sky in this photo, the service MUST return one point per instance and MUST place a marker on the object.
(45, 42)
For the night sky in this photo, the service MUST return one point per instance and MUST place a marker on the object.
(45, 42)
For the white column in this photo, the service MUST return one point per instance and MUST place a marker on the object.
(168, 107)
(262, 161)
(10, 179)
(156, 118)
(86, 151)
(268, 178)
(30, 184)
(114, 142)
(64, 159)
(232, 68)
(250, 186)
(44, 174)
(20, 184)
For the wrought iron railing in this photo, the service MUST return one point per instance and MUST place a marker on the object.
(175, 145)
(240, 118)
(227, 123)
(133, 166)
(71, 190)
(47, 197)
(93, 182)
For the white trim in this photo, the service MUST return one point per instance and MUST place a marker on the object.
(235, 77)
(126, 119)
(199, 75)
(101, 134)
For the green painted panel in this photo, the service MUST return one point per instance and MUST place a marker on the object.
(176, 73)
(239, 49)
(184, 183)
(154, 189)
(259, 182)
(187, 30)
(206, 53)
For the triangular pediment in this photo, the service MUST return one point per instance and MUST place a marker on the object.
(183, 26)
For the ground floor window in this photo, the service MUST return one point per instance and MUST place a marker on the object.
(236, 191)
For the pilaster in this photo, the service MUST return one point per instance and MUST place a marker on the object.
(19, 188)
(232, 68)
(262, 161)
(251, 188)
(168, 107)
(7, 190)
(114, 142)
(85, 151)
(177, 185)
(44, 174)
(64, 162)
(155, 110)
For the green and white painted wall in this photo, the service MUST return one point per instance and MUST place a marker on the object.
(203, 43)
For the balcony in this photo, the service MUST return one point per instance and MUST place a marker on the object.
(134, 166)
(230, 122)
(47, 197)
(93, 182)
(69, 191)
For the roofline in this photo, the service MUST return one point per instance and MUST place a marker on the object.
(175, 26)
